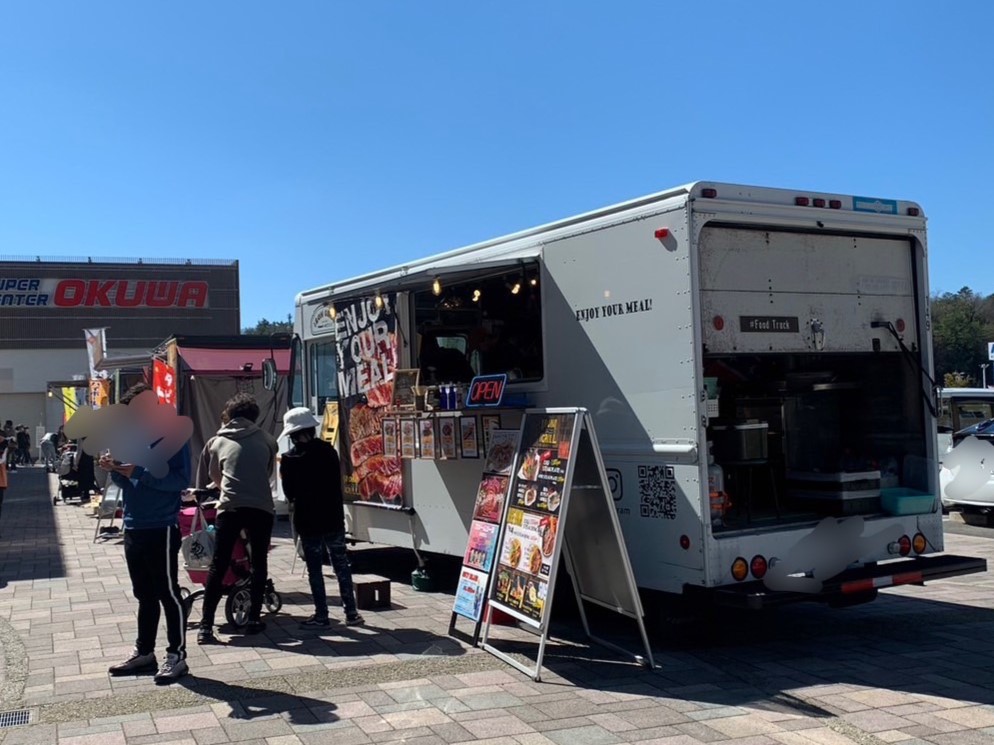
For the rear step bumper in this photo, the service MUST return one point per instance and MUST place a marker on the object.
(853, 583)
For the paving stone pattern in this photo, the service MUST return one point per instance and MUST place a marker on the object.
(913, 667)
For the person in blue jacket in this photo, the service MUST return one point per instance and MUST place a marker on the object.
(151, 549)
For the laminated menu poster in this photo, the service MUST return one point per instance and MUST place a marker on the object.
(470, 593)
(447, 438)
(530, 535)
(480, 549)
(488, 510)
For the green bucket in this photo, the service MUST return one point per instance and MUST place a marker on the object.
(421, 580)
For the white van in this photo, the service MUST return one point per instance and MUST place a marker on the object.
(962, 409)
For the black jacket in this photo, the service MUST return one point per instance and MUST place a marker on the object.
(312, 480)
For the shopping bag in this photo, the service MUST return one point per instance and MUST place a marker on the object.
(198, 547)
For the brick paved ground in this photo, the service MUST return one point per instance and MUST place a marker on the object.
(913, 667)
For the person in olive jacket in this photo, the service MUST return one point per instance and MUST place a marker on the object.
(311, 475)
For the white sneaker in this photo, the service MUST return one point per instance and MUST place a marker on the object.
(173, 668)
(136, 663)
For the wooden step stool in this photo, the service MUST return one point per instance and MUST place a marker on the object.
(371, 591)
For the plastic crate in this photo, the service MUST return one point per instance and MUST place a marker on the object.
(900, 500)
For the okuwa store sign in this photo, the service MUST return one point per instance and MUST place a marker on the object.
(103, 293)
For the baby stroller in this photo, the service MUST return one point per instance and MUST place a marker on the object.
(76, 479)
(236, 585)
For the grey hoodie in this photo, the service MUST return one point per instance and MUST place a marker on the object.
(239, 460)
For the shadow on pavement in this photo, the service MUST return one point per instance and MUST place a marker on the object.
(249, 703)
(29, 538)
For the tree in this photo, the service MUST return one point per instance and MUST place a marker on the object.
(962, 324)
(266, 327)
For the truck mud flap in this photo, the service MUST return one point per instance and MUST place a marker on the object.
(854, 583)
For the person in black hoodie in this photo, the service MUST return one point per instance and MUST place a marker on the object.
(311, 475)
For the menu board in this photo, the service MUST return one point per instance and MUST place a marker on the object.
(488, 511)
(530, 538)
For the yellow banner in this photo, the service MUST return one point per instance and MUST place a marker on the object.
(69, 401)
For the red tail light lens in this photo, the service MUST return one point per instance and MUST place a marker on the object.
(684, 542)
(904, 545)
(802, 201)
(709, 193)
(835, 204)
(719, 323)
(818, 202)
(899, 325)
(758, 566)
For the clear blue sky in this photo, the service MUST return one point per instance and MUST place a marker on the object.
(314, 141)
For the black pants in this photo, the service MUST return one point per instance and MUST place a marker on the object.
(258, 526)
(152, 556)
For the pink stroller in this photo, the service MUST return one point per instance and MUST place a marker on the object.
(235, 586)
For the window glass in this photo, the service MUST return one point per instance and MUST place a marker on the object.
(490, 324)
(324, 374)
(972, 412)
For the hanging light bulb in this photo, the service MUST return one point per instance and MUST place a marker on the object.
(476, 296)
(436, 287)
(332, 312)
(516, 287)
(533, 281)
(378, 300)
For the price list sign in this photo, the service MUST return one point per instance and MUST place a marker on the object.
(488, 511)
(530, 540)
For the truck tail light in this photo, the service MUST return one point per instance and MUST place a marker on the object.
(904, 545)
(758, 566)
(899, 325)
(918, 543)
(718, 322)
(685, 542)
(740, 569)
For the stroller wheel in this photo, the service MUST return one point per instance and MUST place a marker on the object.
(236, 607)
(273, 601)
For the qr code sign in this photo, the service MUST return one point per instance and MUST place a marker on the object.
(657, 492)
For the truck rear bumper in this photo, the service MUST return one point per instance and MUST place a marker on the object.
(853, 583)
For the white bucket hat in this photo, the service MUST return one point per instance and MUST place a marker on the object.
(297, 419)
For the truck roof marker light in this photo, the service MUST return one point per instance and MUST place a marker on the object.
(802, 201)
(718, 322)
(740, 569)
(835, 204)
(662, 233)
(685, 542)
(709, 193)
(436, 287)
(758, 566)
(914, 211)
(919, 544)
(818, 202)
(899, 325)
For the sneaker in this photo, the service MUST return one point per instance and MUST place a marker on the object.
(255, 627)
(206, 636)
(136, 663)
(316, 621)
(355, 620)
(173, 668)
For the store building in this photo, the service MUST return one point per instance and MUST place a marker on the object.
(45, 305)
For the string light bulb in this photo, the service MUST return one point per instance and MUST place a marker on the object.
(533, 281)
(476, 296)
(332, 312)
(436, 287)
(516, 287)
(378, 300)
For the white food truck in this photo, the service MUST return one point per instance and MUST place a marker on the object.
(757, 363)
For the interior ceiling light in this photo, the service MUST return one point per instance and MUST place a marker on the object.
(436, 287)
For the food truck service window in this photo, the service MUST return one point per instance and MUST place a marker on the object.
(490, 324)
(324, 374)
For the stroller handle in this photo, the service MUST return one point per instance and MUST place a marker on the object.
(205, 495)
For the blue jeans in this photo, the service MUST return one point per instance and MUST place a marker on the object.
(314, 552)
